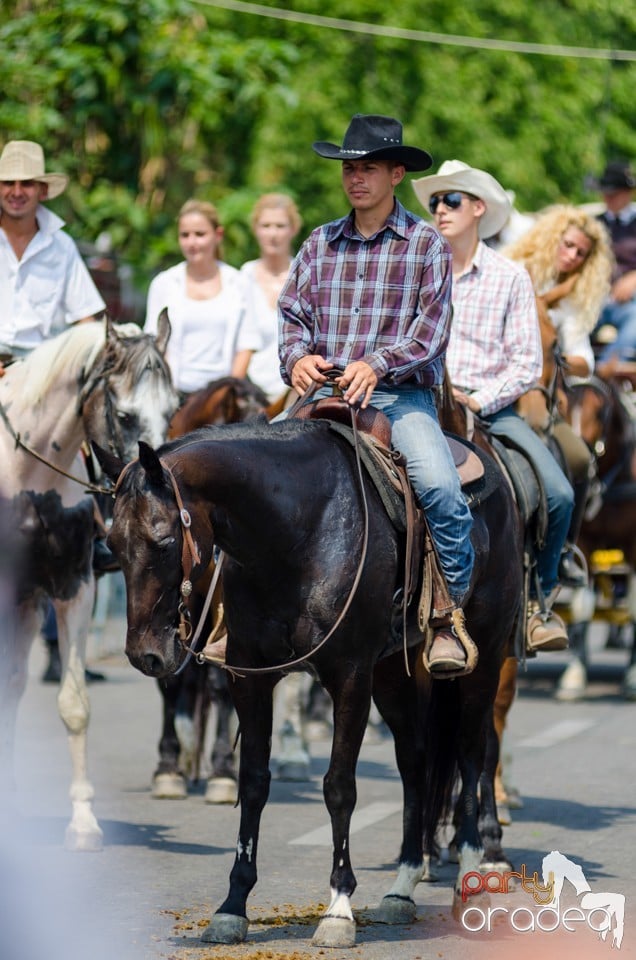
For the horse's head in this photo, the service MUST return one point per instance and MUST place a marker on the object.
(158, 552)
(227, 400)
(127, 394)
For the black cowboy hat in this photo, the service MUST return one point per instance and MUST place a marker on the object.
(617, 175)
(371, 137)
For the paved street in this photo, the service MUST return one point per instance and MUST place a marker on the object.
(165, 864)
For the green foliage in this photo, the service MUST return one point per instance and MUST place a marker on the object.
(147, 102)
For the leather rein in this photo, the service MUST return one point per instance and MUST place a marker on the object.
(190, 557)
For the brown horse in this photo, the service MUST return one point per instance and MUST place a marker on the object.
(603, 412)
(227, 400)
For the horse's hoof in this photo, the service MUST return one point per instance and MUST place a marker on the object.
(169, 786)
(226, 928)
(503, 814)
(477, 901)
(294, 771)
(83, 841)
(335, 932)
(396, 910)
(628, 687)
(573, 682)
(221, 790)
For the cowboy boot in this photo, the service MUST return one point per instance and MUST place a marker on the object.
(450, 652)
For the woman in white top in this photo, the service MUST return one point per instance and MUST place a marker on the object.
(275, 222)
(568, 256)
(206, 305)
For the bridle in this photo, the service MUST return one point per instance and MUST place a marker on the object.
(115, 441)
(190, 557)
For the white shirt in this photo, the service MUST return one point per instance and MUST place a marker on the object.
(574, 341)
(46, 290)
(264, 368)
(206, 334)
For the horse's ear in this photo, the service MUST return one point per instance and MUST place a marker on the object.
(163, 332)
(109, 327)
(151, 464)
(111, 465)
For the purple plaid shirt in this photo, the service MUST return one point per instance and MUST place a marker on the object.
(385, 299)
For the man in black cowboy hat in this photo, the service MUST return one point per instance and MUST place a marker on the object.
(370, 294)
(617, 184)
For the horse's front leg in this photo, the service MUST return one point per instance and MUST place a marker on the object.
(73, 618)
(253, 701)
(352, 701)
(395, 695)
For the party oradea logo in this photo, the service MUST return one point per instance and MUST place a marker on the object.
(602, 912)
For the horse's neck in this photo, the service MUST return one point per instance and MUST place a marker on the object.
(49, 425)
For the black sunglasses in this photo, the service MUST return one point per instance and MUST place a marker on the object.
(451, 200)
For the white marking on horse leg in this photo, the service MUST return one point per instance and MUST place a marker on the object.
(247, 849)
(469, 862)
(340, 906)
(406, 881)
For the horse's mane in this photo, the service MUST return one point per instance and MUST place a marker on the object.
(259, 429)
(77, 347)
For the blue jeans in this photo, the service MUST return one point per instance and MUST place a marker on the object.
(417, 434)
(623, 317)
(559, 493)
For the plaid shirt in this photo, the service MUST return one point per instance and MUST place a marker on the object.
(495, 347)
(385, 300)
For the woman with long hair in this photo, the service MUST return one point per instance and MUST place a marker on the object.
(568, 255)
(206, 305)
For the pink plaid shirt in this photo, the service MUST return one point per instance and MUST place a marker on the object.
(495, 344)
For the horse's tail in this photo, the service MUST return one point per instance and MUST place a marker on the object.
(441, 715)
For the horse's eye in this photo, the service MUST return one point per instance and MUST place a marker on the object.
(126, 419)
(165, 542)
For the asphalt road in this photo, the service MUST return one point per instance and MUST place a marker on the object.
(165, 864)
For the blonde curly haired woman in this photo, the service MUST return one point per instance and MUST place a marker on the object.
(569, 258)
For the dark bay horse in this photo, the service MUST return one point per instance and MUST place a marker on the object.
(100, 382)
(312, 572)
(603, 412)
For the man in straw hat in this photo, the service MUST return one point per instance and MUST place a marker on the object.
(494, 355)
(44, 283)
(370, 295)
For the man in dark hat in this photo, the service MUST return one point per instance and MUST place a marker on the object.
(617, 184)
(370, 295)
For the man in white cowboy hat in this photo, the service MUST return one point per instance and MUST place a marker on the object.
(370, 295)
(44, 283)
(494, 355)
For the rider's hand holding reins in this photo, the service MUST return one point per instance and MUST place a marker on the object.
(358, 382)
(309, 369)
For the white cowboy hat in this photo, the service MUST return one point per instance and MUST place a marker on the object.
(455, 175)
(24, 160)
